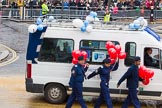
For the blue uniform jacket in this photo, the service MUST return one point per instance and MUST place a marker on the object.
(132, 77)
(77, 74)
(104, 72)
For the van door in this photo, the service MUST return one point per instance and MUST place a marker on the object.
(151, 58)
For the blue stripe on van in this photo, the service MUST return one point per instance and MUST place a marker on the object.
(34, 41)
(152, 32)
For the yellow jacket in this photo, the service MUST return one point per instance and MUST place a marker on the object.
(45, 9)
(107, 18)
(20, 3)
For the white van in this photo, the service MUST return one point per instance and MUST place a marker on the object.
(49, 59)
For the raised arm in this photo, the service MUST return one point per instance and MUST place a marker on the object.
(115, 66)
(86, 67)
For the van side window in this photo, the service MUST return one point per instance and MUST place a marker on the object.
(95, 49)
(56, 50)
(130, 49)
(151, 57)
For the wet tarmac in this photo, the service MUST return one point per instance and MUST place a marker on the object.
(12, 81)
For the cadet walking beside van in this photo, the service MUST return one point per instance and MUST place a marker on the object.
(76, 82)
(104, 72)
(132, 84)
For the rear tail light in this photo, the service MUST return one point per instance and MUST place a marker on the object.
(29, 67)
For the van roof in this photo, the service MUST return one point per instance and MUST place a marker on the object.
(123, 26)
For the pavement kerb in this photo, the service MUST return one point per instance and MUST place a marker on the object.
(4, 54)
(12, 59)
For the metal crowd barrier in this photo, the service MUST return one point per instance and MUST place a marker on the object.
(73, 13)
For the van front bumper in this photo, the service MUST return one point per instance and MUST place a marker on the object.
(33, 88)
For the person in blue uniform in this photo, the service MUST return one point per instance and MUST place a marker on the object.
(132, 84)
(76, 83)
(104, 72)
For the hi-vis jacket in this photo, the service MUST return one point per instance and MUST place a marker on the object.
(45, 9)
(107, 18)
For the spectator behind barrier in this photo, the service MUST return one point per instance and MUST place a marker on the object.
(45, 9)
(156, 4)
(127, 4)
(131, 4)
(149, 3)
(57, 4)
(115, 9)
(137, 3)
(81, 5)
(120, 4)
(107, 17)
(66, 4)
(14, 4)
(73, 4)
(160, 5)
(87, 6)
(94, 5)
(142, 11)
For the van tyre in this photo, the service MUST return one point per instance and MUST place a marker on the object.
(55, 93)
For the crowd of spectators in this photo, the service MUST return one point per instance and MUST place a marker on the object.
(95, 4)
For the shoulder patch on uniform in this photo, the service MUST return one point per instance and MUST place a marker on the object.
(101, 66)
(73, 72)
(96, 70)
(75, 65)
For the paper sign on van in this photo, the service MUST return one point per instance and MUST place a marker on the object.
(98, 56)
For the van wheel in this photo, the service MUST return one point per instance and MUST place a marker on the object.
(55, 93)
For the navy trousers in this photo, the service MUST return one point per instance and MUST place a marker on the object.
(131, 98)
(77, 90)
(104, 96)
